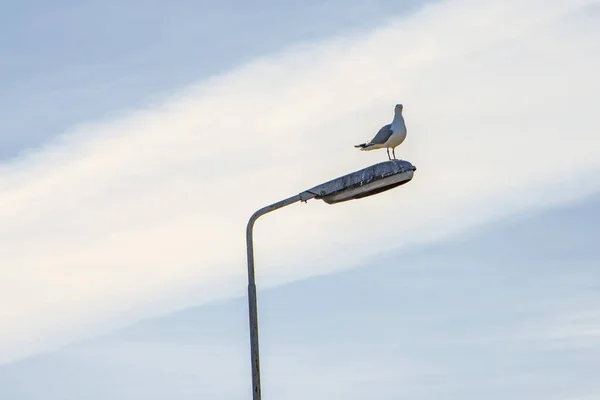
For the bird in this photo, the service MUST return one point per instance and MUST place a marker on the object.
(390, 136)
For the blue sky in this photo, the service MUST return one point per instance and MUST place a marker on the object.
(138, 138)
(509, 311)
(69, 62)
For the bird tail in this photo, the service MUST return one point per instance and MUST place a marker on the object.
(362, 146)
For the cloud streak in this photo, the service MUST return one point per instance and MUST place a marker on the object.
(122, 215)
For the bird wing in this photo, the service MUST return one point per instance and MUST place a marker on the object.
(383, 135)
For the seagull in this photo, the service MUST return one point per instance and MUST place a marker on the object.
(389, 136)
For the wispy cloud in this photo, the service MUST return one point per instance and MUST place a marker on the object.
(497, 314)
(499, 102)
(63, 63)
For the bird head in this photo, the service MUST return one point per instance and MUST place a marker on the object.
(398, 108)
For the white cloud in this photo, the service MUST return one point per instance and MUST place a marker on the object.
(500, 106)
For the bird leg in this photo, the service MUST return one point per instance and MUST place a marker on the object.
(388, 153)
(394, 153)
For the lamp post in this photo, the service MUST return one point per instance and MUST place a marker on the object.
(363, 183)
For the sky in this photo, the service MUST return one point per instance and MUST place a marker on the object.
(138, 138)
(509, 311)
(95, 60)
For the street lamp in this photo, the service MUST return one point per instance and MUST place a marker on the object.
(356, 185)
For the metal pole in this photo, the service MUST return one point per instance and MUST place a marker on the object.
(252, 304)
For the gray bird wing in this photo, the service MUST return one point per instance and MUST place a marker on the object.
(383, 135)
